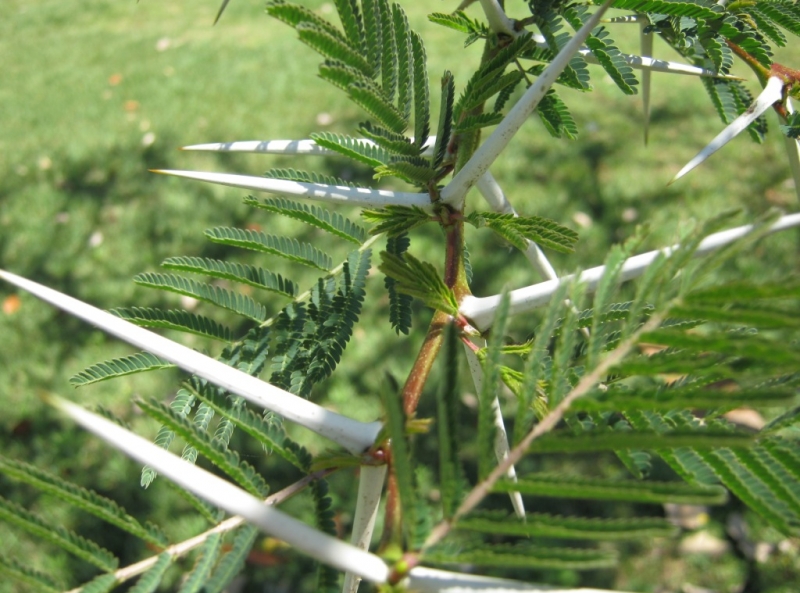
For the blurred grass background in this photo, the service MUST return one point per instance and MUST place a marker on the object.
(94, 93)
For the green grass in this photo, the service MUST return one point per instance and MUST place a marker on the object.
(94, 93)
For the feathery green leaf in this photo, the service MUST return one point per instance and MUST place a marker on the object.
(582, 528)
(174, 319)
(331, 222)
(86, 500)
(67, 540)
(516, 229)
(233, 561)
(447, 404)
(290, 249)
(528, 556)
(233, 301)
(419, 279)
(358, 150)
(395, 220)
(236, 272)
(399, 303)
(119, 367)
(209, 553)
(34, 579)
(151, 579)
(100, 584)
(397, 144)
(617, 490)
(226, 459)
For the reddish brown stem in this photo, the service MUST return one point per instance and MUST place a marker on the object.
(412, 390)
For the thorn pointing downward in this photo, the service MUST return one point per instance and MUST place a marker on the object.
(772, 93)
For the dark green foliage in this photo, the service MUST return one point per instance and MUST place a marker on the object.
(233, 301)
(517, 229)
(119, 367)
(459, 21)
(421, 92)
(182, 405)
(445, 120)
(556, 116)
(327, 577)
(224, 458)
(242, 273)
(576, 74)
(67, 540)
(175, 319)
(402, 462)
(370, 100)
(312, 338)
(604, 50)
(543, 525)
(785, 14)
(450, 473)
(419, 279)
(491, 78)
(791, 128)
(395, 220)
(616, 490)
(380, 63)
(272, 437)
(34, 579)
(741, 350)
(695, 9)
(488, 402)
(358, 150)
(150, 580)
(476, 122)
(100, 584)
(331, 222)
(291, 249)
(232, 561)
(86, 500)
(307, 177)
(205, 561)
(399, 303)
(388, 140)
(528, 556)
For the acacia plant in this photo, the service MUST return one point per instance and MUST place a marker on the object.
(641, 356)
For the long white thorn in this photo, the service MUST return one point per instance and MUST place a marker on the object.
(649, 64)
(233, 499)
(370, 487)
(488, 152)
(480, 311)
(286, 147)
(351, 434)
(501, 447)
(374, 198)
(773, 92)
(496, 198)
(497, 18)
(646, 40)
(422, 579)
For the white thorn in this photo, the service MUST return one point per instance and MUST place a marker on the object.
(230, 497)
(501, 447)
(351, 434)
(454, 192)
(370, 487)
(772, 93)
(480, 311)
(363, 197)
